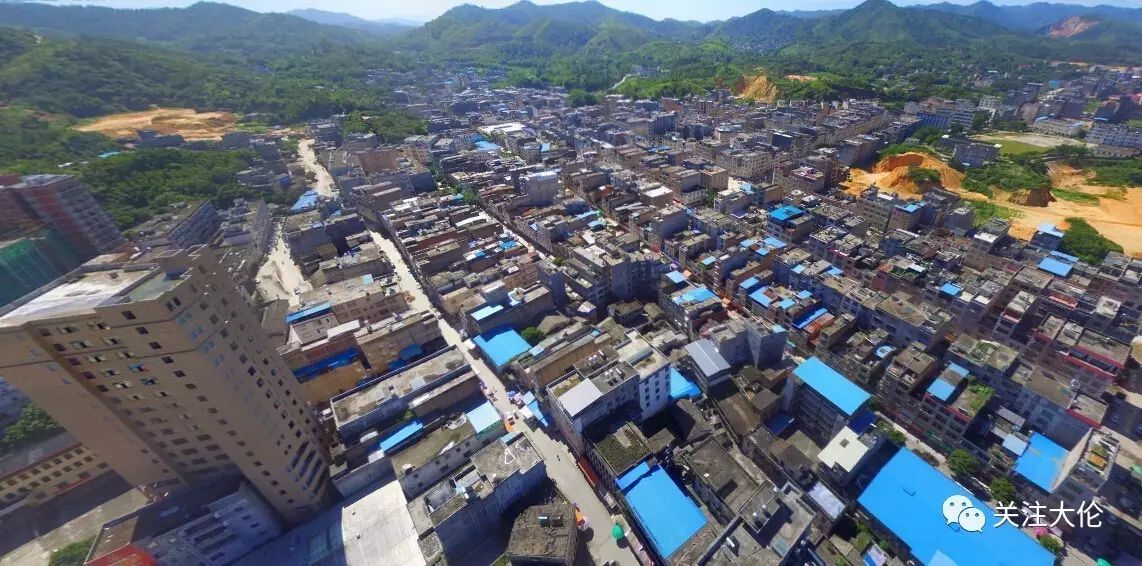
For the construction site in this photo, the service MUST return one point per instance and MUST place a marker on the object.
(186, 122)
(1115, 212)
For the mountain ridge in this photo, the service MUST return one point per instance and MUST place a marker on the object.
(383, 28)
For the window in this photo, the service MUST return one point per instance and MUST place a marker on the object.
(149, 381)
(137, 368)
(168, 360)
(142, 330)
(180, 373)
(156, 346)
(129, 315)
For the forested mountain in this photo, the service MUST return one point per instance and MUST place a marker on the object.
(379, 28)
(94, 76)
(204, 27)
(289, 68)
(525, 29)
(1037, 16)
(879, 21)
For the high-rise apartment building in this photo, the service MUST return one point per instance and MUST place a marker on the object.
(164, 372)
(65, 204)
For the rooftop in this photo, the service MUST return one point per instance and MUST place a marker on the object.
(374, 528)
(905, 497)
(545, 530)
(666, 514)
(359, 401)
(456, 430)
(844, 450)
(1042, 462)
(705, 354)
(502, 345)
(84, 292)
(162, 516)
(831, 385)
(623, 448)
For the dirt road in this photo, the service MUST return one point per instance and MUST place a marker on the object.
(308, 159)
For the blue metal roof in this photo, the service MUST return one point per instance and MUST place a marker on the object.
(750, 283)
(842, 393)
(675, 277)
(328, 363)
(1055, 267)
(401, 434)
(1042, 463)
(907, 497)
(308, 199)
(709, 260)
(310, 312)
(1014, 444)
(760, 297)
(680, 386)
(501, 345)
(941, 389)
(786, 212)
(961, 370)
(1048, 228)
(951, 289)
(774, 242)
(696, 295)
(778, 422)
(809, 319)
(486, 311)
(483, 417)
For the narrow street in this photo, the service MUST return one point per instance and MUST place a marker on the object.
(308, 158)
(279, 275)
(561, 467)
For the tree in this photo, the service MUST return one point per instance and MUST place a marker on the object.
(579, 97)
(1052, 544)
(979, 121)
(923, 175)
(962, 463)
(1083, 241)
(532, 334)
(1002, 490)
(74, 554)
(894, 436)
(33, 425)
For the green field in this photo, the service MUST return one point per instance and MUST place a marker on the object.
(1012, 147)
(1075, 196)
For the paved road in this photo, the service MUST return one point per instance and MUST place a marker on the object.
(561, 466)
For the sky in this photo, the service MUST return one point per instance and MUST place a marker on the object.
(423, 10)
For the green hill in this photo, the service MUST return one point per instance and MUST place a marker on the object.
(91, 77)
(204, 27)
